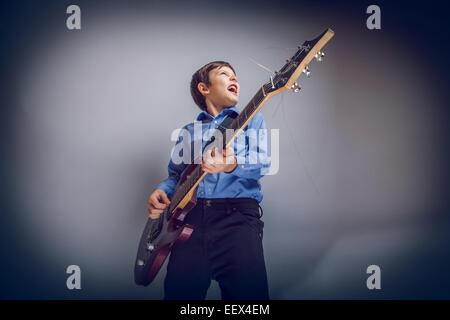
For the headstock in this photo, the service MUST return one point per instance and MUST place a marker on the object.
(287, 76)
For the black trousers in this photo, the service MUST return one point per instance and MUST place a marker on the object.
(226, 246)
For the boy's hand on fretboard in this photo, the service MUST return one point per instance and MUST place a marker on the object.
(215, 161)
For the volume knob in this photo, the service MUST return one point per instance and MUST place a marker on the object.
(150, 246)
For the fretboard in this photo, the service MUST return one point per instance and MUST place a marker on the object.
(249, 111)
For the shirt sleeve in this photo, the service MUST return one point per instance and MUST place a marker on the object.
(254, 162)
(176, 165)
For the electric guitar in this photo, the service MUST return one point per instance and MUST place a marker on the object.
(160, 235)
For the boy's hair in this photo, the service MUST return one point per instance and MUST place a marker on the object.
(202, 75)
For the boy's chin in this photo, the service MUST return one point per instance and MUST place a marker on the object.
(233, 102)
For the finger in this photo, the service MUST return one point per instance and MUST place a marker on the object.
(165, 198)
(209, 168)
(209, 153)
(217, 152)
(149, 201)
(209, 159)
(218, 159)
(230, 157)
(213, 164)
(154, 215)
(157, 204)
(229, 160)
(155, 212)
(150, 204)
(160, 205)
(152, 209)
(228, 151)
(206, 156)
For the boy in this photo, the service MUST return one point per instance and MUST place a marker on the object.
(226, 244)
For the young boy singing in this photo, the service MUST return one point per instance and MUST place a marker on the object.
(226, 244)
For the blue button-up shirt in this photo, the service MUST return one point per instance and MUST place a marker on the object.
(251, 153)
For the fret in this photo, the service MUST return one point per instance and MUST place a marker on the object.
(238, 121)
(250, 108)
(241, 120)
(253, 107)
(236, 124)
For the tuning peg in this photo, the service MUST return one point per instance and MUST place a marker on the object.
(295, 87)
(319, 56)
(306, 71)
(271, 81)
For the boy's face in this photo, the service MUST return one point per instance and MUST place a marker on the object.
(223, 90)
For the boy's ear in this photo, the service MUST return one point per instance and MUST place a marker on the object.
(203, 88)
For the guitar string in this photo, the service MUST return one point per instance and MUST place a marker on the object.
(296, 147)
(298, 152)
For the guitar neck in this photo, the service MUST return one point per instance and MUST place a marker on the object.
(185, 190)
(246, 115)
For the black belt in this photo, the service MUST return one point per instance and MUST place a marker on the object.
(226, 203)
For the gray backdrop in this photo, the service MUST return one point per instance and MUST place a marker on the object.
(86, 137)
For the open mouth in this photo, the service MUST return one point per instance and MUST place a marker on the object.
(233, 88)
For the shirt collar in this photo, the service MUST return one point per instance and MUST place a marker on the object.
(205, 115)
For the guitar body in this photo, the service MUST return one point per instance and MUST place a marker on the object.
(159, 236)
